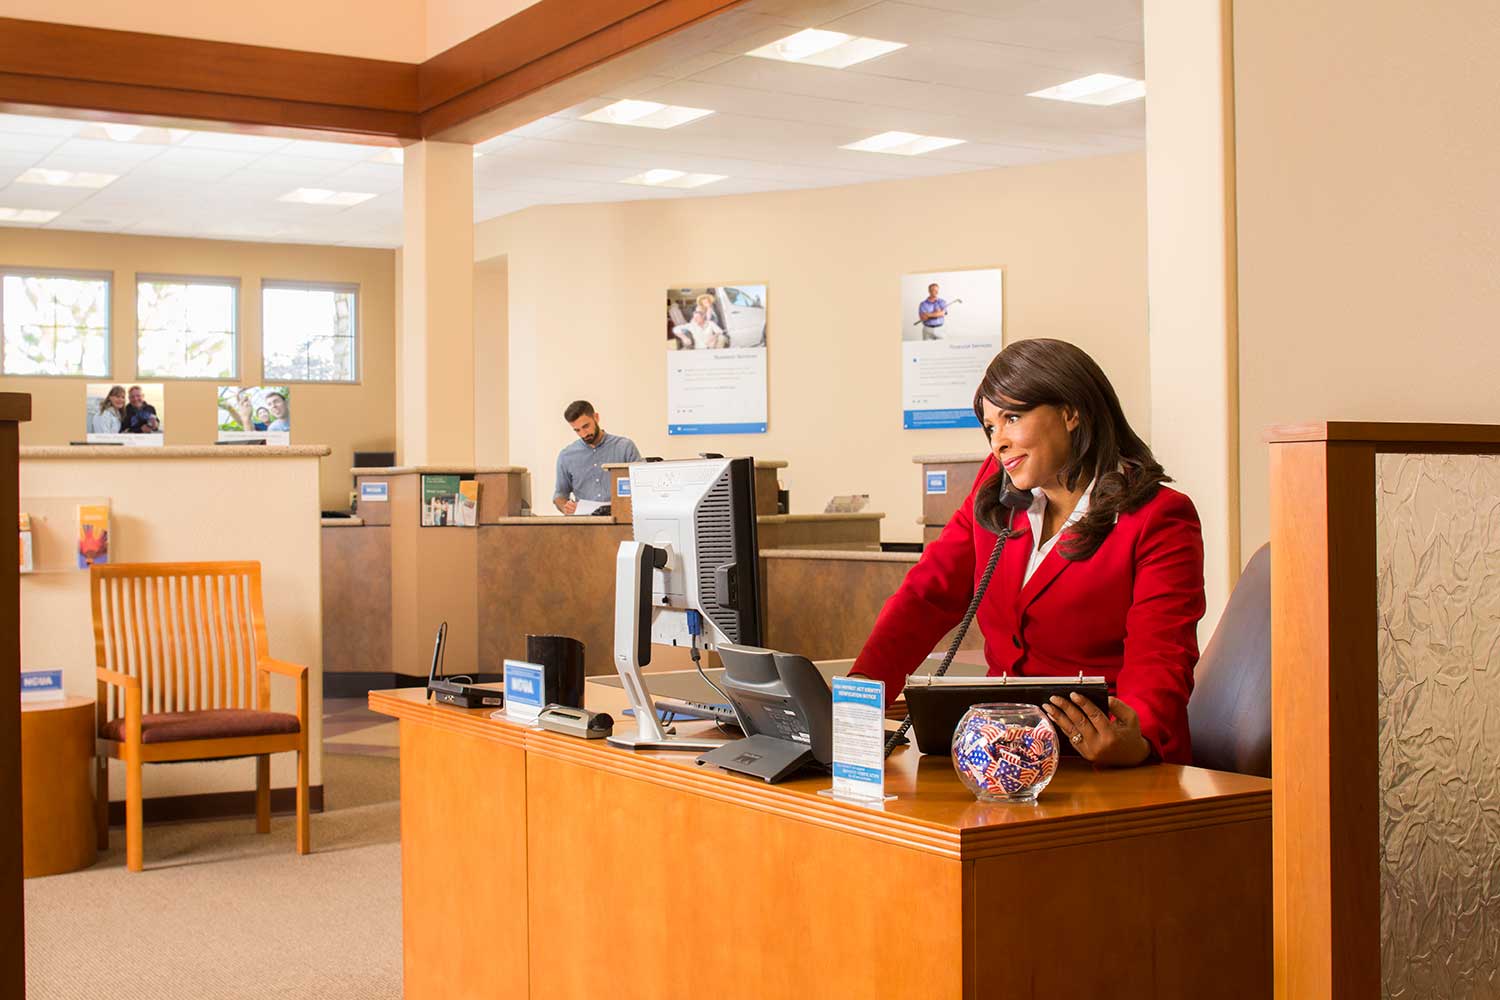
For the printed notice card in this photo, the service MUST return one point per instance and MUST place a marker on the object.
(859, 739)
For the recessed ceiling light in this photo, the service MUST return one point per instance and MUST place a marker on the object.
(122, 133)
(65, 178)
(662, 177)
(646, 114)
(902, 143)
(834, 49)
(1098, 88)
(139, 134)
(27, 215)
(323, 196)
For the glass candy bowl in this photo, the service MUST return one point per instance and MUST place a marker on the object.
(1005, 752)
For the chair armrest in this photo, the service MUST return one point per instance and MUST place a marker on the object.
(281, 667)
(297, 672)
(116, 679)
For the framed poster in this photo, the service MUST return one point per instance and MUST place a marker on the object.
(951, 327)
(716, 360)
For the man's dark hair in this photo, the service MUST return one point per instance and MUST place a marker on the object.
(578, 408)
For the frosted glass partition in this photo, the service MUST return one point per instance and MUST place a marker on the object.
(1438, 579)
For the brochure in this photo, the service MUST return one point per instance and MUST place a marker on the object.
(438, 493)
(28, 560)
(93, 534)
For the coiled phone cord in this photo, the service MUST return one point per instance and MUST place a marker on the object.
(896, 737)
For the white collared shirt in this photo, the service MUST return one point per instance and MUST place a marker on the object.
(1034, 513)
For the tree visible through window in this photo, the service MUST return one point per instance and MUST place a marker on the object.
(309, 332)
(54, 324)
(185, 328)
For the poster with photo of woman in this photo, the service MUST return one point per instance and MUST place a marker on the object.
(716, 359)
(116, 413)
(255, 413)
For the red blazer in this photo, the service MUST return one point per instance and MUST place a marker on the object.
(1129, 612)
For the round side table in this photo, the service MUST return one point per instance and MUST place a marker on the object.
(57, 786)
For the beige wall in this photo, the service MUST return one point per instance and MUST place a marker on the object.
(344, 417)
(451, 21)
(375, 29)
(176, 509)
(586, 288)
(1369, 230)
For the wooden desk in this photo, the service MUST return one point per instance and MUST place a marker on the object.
(540, 865)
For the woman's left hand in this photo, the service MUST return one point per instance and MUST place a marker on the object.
(1113, 742)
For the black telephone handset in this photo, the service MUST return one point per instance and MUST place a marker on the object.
(1012, 500)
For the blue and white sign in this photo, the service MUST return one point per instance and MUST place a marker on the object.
(859, 739)
(951, 327)
(622, 488)
(42, 685)
(525, 687)
(716, 360)
(374, 492)
(937, 482)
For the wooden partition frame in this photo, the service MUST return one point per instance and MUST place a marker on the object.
(15, 408)
(1324, 692)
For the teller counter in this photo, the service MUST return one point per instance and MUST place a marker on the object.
(388, 580)
(536, 864)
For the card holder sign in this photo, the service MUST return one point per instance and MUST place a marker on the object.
(937, 482)
(525, 690)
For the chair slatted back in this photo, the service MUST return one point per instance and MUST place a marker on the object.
(192, 633)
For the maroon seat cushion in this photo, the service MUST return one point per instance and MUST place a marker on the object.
(208, 724)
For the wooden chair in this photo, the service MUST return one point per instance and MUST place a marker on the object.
(184, 673)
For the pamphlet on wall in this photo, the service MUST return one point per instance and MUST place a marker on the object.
(28, 562)
(716, 360)
(93, 534)
(466, 503)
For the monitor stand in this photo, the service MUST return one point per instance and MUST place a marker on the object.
(633, 568)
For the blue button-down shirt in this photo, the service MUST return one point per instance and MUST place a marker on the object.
(926, 308)
(580, 468)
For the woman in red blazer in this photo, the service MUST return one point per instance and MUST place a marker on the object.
(1103, 572)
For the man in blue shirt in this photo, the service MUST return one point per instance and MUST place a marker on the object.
(580, 466)
(932, 311)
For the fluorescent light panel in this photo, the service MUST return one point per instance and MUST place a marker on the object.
(663, 177)
(27, 215)
(646, 114)
(66, 178)
(833, 49)
(902, 143)
(323, 196)
(1101, 89)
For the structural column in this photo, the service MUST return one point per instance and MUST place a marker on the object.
(1191, 280)
(435, 347)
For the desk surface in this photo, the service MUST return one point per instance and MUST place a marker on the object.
(933, 812)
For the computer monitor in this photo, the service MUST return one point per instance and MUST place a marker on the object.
(690, 577)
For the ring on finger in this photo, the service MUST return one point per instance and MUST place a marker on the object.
(1076, 738)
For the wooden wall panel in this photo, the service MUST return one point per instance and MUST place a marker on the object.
(14, 408)
(548, 578)
(356, 600)
(1323, 689)
(463, 865)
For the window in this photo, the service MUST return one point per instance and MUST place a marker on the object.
(185, 327)
(309, 332)
(54, 322)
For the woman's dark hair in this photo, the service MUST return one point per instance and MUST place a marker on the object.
(1032, 373)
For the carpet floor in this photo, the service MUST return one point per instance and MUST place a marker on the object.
(221, 913)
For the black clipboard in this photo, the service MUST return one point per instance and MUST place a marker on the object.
(936, 704)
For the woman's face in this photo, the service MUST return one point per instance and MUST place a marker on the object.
(277, 405)
(117, 399)
(1034, 445)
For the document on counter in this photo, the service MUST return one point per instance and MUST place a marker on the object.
(859, 740)
(587, 507)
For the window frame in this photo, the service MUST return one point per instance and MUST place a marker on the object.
(316, 286)
(190, 279)
(83, 274)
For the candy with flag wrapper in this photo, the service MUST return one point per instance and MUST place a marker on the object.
(1005, 752)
